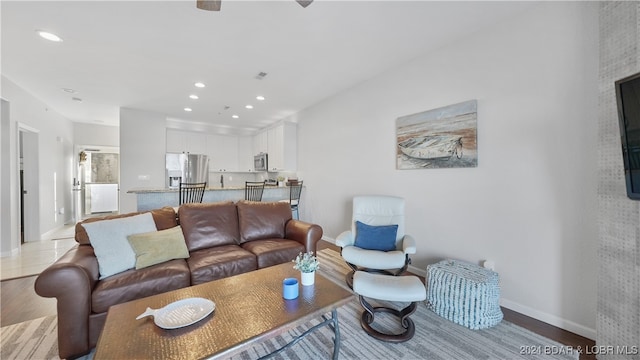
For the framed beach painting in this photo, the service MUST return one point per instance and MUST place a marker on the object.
(445, 137)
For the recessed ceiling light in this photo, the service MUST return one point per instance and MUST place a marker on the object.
(188, 109)
(49, 36)
(235, 116)
(260, 97)
(249, 106)
(194, 97)
(70, 91)
(199, 85)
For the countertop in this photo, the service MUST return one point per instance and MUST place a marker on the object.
(167, 190)
(149, 198)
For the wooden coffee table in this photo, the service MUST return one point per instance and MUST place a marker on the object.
(249, 309)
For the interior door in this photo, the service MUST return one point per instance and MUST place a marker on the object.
(21, 206)
(30, 213)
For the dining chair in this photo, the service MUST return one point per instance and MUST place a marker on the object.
(191, 192)
(253, 190)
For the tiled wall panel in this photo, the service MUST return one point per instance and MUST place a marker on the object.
(618, 318)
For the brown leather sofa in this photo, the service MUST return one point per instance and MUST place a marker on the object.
(224, 239)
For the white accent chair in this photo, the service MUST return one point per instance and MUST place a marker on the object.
(377, 210)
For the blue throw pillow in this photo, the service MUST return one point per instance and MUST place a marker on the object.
(381, 238)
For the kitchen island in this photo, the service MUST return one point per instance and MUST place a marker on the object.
(149, 198)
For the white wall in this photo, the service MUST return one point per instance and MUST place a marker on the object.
(95, 134)
(55, 151)
(530, 205)
(142, 153)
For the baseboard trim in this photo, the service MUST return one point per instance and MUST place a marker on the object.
(550, 319)
(49, 234)
(414, 270)
(328, 239)
(12, 252)
(522, 309)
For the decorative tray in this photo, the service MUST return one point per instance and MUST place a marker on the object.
(180, 313)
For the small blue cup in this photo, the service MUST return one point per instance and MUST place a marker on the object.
(290, 288)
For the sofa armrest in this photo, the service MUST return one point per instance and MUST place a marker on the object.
(303, 232)
(71, 280)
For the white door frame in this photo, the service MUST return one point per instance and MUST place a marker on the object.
(9, 218)
(29, 147)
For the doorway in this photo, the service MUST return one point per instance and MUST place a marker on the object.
(28, 147)
(97, 184)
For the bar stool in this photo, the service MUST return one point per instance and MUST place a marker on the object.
(253, 190)
(295, 189)
(191, 192)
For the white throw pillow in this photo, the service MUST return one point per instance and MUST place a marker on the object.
(110, 244)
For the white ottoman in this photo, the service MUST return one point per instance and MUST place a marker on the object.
(388, 288)
(464, 293)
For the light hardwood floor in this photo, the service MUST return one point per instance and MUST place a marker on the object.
(35, 256)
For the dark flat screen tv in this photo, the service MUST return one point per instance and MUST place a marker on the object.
(628, 97)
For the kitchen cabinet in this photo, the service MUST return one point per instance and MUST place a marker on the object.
(186, 141)
(245, 153)
(235, 153)
(274, 148)
(282, 147)
(223, 153)
(260, 143)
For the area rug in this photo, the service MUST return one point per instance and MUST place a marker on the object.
(435, 337)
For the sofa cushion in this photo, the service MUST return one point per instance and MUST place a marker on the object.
(271, 252)
(262, 220)
(219, 262)
(210, 224)
(136, 284)
(109, 241)
(164, 218)
(158, 246)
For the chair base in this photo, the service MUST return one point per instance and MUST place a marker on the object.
(368, 316)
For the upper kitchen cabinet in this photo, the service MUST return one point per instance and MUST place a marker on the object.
(223, 153)
(245, 153)
(186, 141)
(282, 147)
(260, 143)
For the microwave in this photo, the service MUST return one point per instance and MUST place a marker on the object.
(260, 162)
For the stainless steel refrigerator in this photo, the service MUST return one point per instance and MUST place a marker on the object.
(186, 168)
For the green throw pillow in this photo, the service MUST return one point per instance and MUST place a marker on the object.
(158, 246)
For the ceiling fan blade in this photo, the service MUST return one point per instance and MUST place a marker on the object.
(210, 5)
(304, 3)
